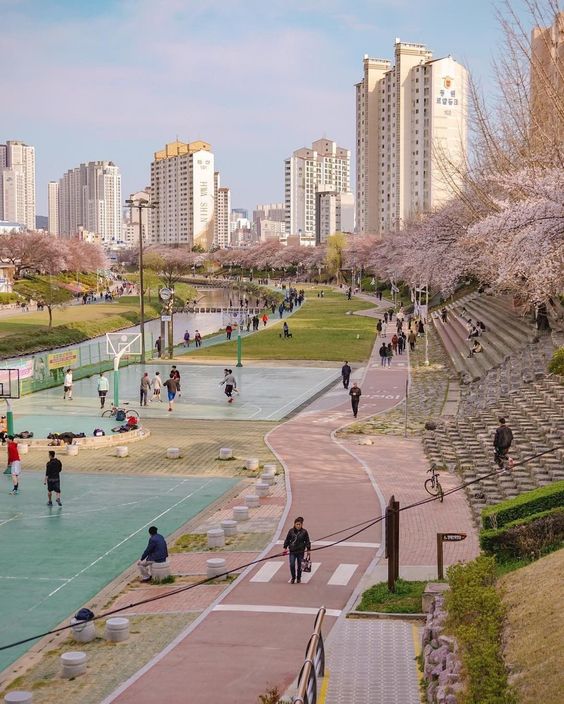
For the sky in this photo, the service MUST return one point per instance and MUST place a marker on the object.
(116, 80)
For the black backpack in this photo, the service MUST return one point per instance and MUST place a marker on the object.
(84, 615)
(120, 415)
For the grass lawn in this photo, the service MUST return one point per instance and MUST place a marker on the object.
(405, 600)
(321, 330)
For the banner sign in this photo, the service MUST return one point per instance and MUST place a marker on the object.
(24, 366)
(62, 359)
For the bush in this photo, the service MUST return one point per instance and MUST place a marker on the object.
(527, 504)
(475, 618)
(527, 537)
(556, 364)
(6, 298)
(405, 600)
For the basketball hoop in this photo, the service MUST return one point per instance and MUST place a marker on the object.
(119, 344)
(9, 389)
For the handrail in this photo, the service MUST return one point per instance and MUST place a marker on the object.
(314, 664)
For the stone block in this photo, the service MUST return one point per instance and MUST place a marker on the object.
(432, 590)
(229, 527)
(73, 664)
(173, 453)
(269, 479)
(225, 453)
(160, 570)
(117, 629)
(252, 463)
(262, 488)
(252, 500)
(20, 697)
(269, 468)
(121, 451)
(83, 631)
(241, 513)
(72, 449)
(216, 566)
(216, 538)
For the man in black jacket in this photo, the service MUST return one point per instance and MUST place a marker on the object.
(156, 551)
(355, 393)
(297, 543)
(346, 374)
(52, 478)
(502, 442)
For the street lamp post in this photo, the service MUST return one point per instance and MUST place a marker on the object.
(141, 204)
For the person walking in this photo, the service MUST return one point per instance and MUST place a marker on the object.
(228, 331)
(401, 342)
(157, 386)
(14, 463)
(156, 551)
(502, 442)
(176, 375)
(172, 389)
(103, 387)
(264, 319)
(230, 384)
(297, 545)
(355, 393)
(444, 314)
(395, 343)
(186, 339)
(346, 374)
(198, 338)
(386, 317)
(379, 327)
(389, 354)
(144, 388)
(67, 385)
(420, 328)
(383, 352)
(411, 338)
(159, 346)
(52, 479)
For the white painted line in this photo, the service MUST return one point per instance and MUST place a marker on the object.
(266, 572)
(306, 576)
(341, 576)
(346, 544)
(264, 609)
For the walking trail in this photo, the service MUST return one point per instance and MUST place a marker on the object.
(254, 636)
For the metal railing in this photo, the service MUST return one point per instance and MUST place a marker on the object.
(314, 664)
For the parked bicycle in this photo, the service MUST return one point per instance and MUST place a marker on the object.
(119, 414)
(433, 485)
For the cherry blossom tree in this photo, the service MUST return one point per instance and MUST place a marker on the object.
(33, 252)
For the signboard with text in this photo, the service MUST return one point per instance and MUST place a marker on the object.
(58, 360)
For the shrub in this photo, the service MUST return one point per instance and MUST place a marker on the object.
(475, 618)
(527, 537)
(556, 364)
(6, 298)
(527, 504)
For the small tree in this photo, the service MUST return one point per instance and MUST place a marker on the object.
(44, 292)
(336, 245)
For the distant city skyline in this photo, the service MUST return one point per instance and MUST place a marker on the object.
(100, 81)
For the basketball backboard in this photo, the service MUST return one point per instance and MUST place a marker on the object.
(9, 383)
(120, 343)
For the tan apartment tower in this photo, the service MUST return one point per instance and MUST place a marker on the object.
(53, 207)
(547, 82)
(17, 183)
(183, 186)
(222, 213)
(411, 123)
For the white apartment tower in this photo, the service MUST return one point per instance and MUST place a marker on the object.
(53, 207)
(269, 222)
(222, 212)
(130, 225)
(323, 167)
(183, 186)
(411, 121)
(17, 183)
(90, 198)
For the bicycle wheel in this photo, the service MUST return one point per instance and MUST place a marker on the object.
(107, 414)
(431, 487)
(440, 492)
(133, 413)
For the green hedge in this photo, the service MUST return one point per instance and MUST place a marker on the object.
(527, 504)
(556, 364)
(527, 537)
(475, 618)
(9, 298)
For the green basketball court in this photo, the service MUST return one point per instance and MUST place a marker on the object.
(55, 559)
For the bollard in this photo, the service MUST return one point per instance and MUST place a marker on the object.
(229, 527)
(173, 453)
(262, 488)
(23, 448)
(268, 479)
(72, 449)
(160, 570)
(117, 629)
(241, 513)
(15, 697)
(216, 538)
(83, 631)
(74, 664)
(215, 567)
(269, 468)
(252, 463)
(225, 453)
(122, 451)
(252, 500)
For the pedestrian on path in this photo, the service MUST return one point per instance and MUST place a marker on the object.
(52, 479)
(264, 319)
(386, 317)
(379, 327)
(230, 384)
(103, 388)
(502, 442)
(420, 328)
(172, 389)
(411, 338)
(444, 314)
(346, 374)
(228, 331)
(14, 463)
(395, 343)
(159, 346)
(144, 388)
(355, 393)
(401, 342)
(176, 375)
(382, 352)
(67, 385)
(156, 551)
(157, 386)
(186, 339)
(198, 338)
(389, 354)
(297, 545)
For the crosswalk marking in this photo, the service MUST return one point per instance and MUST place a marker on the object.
(342, 574)
(306, 576)
(267, 572)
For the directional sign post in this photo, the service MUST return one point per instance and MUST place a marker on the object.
(446, 538)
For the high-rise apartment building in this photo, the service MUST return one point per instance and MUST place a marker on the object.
(222, 210)
(411, 122)
(323, 167)
(130, 226)
(334, 213)
(90, 198)
(17, 183)
(183, 186)
(547, 82)
(269, 222)
(53, 207)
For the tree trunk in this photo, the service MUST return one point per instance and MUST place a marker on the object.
(50, 311)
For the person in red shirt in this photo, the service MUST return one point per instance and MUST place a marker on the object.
(14, 463)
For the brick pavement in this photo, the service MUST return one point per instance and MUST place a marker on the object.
(190, 600)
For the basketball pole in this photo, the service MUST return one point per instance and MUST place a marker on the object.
(9, 417)
(116, 380)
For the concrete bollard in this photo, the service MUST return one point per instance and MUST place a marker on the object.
(215, 567)
(262, 489)
(269, 468)
(117, 629)
(74, 664)
(173, 453)
(216, 538)
(83, 631)
(18, 697)
(72, 449)
(229, 527)
(225, 453)
(268, 479)
(240, 513)
(252, 463)
(122, 451)
(252, 500)
(160, 570)
(23, 448)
